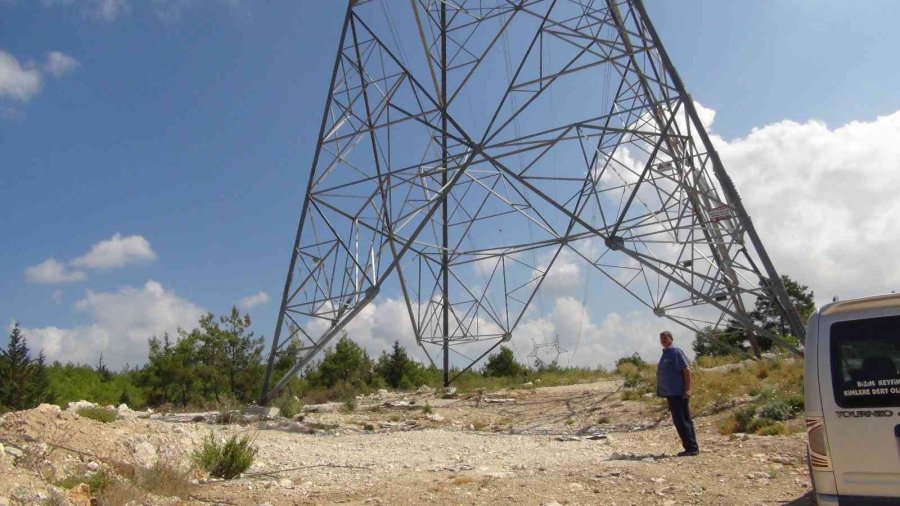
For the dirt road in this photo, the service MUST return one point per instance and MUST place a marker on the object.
(568, 445)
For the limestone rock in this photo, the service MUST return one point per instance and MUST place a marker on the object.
(80, 495)
(76, 405)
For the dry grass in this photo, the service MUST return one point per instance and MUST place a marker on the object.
(166, 480)
(714, 392)
(767, 394)
(120, 492)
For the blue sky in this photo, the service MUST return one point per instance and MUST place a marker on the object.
(158, 151)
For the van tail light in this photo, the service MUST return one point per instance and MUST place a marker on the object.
(818, 446)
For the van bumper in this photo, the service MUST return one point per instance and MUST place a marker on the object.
(854, 500)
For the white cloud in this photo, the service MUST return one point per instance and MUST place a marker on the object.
(253, 300)
(105, 10)
(109, 10)
(18, 82)
(123, 321)
(60, 64)
(588, 343)
(50, 272)
(377, 326)
(116, 252)
(57, 295)
(824, 201)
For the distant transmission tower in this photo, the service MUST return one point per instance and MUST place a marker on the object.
(466, 145)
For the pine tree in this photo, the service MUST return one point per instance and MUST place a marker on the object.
(23, 382)
(103, 371)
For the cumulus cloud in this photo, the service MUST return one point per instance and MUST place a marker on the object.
(589, 342)
(377, 326)
(60, 64)
(123, 321)
(18, 82)
(116, 252)
(51, 272)
(824, 200)
(254, 300)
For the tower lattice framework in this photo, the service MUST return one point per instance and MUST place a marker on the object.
(467, 146)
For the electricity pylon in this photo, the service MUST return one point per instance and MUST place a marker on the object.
(466, 146)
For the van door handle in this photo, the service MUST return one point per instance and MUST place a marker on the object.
(897, 431)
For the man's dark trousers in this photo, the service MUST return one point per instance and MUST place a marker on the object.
(681, 417)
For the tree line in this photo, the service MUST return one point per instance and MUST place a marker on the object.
(220, 362)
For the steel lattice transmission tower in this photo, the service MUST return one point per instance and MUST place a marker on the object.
(466, 146)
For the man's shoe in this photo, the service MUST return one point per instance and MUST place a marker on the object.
(689, 453)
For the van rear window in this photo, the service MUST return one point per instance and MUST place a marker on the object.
(865, 359)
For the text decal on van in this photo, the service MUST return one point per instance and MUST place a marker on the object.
(869, 413)
(865, 355)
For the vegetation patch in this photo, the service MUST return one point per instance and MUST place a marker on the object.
(227, 459)
(99, 414)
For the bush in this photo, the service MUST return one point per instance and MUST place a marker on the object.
(99, 414)
(347, 363)
(778, 410)
(633, 359)
(225, 460)
(503, 364)
(397, 370)
(97, 481)
(288, 405)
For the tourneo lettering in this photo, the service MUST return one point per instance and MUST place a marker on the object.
(878, 413)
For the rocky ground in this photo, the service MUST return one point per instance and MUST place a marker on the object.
(577, 444)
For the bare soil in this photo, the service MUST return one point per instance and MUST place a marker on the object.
(578, 444)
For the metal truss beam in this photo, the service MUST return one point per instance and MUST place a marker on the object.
(468, 148)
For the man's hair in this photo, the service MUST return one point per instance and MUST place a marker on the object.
(666, 333)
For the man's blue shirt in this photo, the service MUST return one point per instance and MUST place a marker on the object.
(670, 373)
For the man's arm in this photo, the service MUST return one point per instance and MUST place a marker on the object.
(687, 382)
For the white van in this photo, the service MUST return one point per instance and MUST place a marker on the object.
(852, 393)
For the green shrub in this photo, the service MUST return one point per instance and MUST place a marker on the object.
(288, 405)
(97, 481)
(347, 363)
(225, 460)
(743, 416)
(633, 359)
(776, 410)
(634, 380)
(503, 364)
(796, 402)
(99, 414)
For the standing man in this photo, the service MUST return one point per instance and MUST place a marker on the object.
(673, 381)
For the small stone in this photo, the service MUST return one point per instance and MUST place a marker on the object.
(76, 405)
(576, 487)
(286, 483)
(434, 417)
(93, 466)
